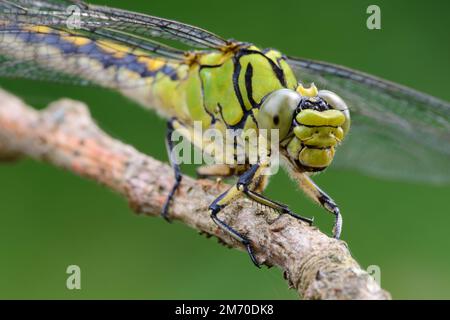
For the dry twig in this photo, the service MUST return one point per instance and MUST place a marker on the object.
(317, 266)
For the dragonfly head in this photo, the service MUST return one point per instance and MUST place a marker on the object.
(311, 124)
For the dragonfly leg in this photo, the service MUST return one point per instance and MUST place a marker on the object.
(249, 182)
(176, 168)
(217, 205)
(319, 196)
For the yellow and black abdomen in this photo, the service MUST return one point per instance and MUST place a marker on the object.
(108, 64)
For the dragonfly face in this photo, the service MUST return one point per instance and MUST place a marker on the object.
(311, 124)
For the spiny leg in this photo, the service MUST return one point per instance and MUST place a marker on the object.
(249, 181)
(319, 196)
(261, 184)
(218, 204)
(176, 168)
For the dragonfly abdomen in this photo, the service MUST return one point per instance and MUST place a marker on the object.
(96, 61)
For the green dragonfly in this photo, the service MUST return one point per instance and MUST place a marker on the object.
(396, 132)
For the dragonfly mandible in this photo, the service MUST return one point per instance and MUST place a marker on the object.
(396, 132)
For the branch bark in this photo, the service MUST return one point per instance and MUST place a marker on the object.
(63, 134)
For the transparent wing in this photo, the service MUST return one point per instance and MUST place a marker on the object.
(95, 65)
(396, 132)
(10, 68)
(79, 15)
(134, 31)
(39, 62)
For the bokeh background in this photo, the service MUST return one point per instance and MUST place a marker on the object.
(50, 219)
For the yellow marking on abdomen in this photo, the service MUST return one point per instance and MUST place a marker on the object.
(152, 63)
(78, 41)
(38, 29)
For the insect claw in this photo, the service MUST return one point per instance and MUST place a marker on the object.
(165, 211)
(252, 255)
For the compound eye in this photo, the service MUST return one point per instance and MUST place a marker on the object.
(277, 111)
(337, 103)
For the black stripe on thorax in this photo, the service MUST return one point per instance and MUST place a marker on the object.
(248, 82)
(249, 85)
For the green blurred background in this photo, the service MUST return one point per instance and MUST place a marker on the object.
(50, 219)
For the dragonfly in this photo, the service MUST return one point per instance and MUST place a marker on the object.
(396, 132)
